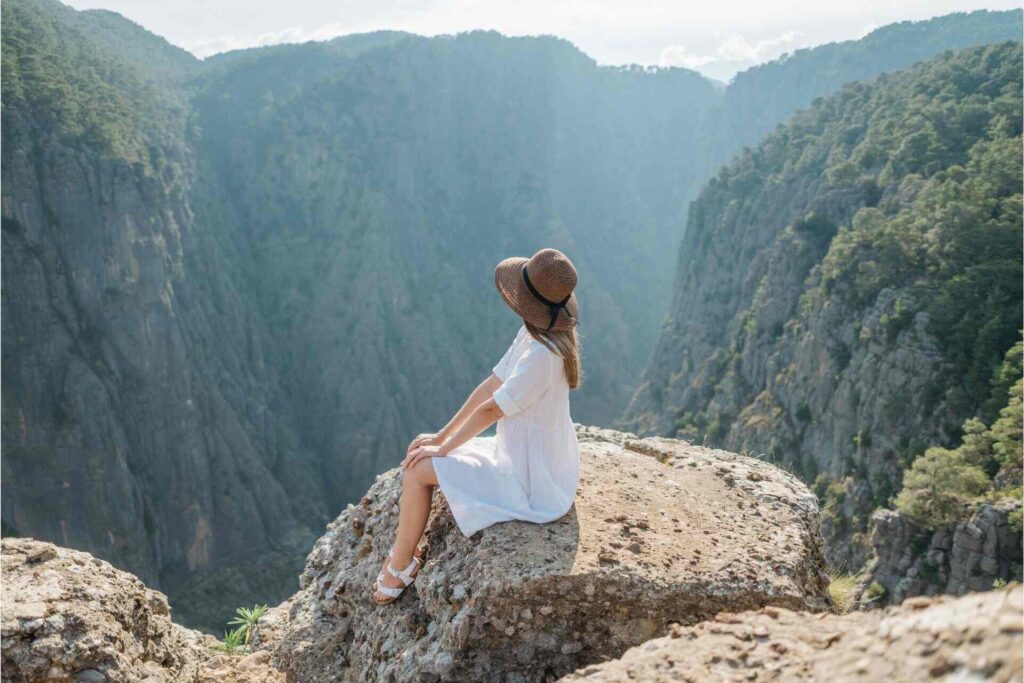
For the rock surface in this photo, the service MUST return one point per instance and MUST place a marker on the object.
(973, 638)
(715, 553)
(256, 667)
(68, 616)
(661, 532)
(969, 556)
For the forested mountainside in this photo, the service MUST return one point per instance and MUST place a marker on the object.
(234, 288)
(848, 289)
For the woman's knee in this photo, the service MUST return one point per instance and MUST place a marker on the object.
(420, 474)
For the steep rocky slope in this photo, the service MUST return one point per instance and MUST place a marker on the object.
(661, 532)
(140, 420)
(847, 290)
(977, 637)
(396, 171)
(957, 522)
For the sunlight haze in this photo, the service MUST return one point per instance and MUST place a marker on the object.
(716, 39)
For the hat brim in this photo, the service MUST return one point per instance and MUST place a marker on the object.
(508, 278)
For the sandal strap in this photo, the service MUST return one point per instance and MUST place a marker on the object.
(406, 574)
(391, 553)
(388, 590)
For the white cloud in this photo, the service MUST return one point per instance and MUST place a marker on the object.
(868, 28)
(206, 48)
(738, 49)
(732, 54)
(677, 55)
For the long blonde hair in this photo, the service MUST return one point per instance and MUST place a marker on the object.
(566, 344)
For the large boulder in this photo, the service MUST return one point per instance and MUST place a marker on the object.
(973, 638)
(661, 532)
(68, 616)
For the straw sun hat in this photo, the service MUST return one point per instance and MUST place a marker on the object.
(540, 288)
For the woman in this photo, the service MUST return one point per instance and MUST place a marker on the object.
(530, 469)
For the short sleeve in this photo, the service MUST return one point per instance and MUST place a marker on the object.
(528, 380)
(502, 369)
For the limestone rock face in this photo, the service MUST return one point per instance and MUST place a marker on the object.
(968, 556)
(974, 638)
(661, 532)
(69, 616)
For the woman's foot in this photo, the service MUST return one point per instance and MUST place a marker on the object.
(388, 580)
(419, 553)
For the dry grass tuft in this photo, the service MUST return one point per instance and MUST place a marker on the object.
(843, 589)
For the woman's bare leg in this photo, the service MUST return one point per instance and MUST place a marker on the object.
(418, 485)
(413, 509)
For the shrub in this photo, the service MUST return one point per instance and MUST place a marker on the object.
(875, 592)
(1007, 443)
(1016, 520)
(938, 486)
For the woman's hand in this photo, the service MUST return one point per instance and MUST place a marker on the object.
(424, 440)
(420, 452)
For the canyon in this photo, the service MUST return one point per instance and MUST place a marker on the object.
(235, 288)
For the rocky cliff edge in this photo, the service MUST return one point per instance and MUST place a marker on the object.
(69, 616)
(973, 638)
(661, 532)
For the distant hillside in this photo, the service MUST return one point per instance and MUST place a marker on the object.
(764, 96)
(848, 289)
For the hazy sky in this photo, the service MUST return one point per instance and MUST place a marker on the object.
(716, 37)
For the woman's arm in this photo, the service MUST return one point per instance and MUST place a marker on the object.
(482, 417)
(483, 391)
(527, 382)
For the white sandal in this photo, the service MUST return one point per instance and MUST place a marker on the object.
(419, 554)
(407, 576)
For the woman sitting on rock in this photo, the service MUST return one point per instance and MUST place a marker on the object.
(530, 469)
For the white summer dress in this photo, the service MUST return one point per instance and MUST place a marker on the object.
(531, 468)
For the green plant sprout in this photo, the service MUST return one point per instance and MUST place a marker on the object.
(232, 641)
(247, 619)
